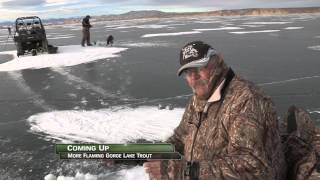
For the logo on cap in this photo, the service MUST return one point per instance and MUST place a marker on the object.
(189, 51)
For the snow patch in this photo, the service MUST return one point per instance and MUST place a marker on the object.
(117, 125)
(171, 34)
(268, 23)
(61, 37)
(252, 32)
(318, 112)
(249, 25)
(145, 44)
(134, 173)
(316, 48)
(67, 56)
(218, 29)
(290, 28)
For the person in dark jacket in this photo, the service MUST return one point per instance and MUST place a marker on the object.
(229, 129)
(110, 40)
(86, 31)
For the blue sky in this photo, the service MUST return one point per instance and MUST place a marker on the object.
(11, 9)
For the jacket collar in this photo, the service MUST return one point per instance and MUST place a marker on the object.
(216, 95)
(219, 92)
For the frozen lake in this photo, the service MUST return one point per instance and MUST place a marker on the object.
(110, 95)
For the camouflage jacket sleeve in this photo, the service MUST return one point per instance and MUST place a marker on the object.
(246, 156)
(179, 133)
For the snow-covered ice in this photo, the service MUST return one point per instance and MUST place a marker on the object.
(218, 29)
(253, 32)
(171, 34)
(67, 56)
(291, 28)
(117, 125)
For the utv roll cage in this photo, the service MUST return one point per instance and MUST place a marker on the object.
(30, 36)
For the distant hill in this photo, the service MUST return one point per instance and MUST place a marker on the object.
(234, 12)
(139, 15)
(264, 11)
(160, 14)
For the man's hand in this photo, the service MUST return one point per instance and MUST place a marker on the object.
(153, 168)
(165, 170)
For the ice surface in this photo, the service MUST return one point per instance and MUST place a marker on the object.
(72, 79)
(35, 97)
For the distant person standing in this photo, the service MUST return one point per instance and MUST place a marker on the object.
(86, 31)
(9, 30)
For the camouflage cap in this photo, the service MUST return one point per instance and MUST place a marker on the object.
(195, 54)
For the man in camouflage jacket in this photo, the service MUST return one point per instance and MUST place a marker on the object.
(229, 129)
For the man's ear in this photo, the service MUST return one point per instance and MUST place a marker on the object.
(213, 60)
(220, 56)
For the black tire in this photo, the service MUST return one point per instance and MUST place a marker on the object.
(19, 49)
(45, 45)
(34, 52)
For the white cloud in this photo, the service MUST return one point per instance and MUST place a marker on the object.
(55, 1)
(21, 3)
(61, 3)
(44, 13)
(53, 10)
(12, 14)
(10, 9)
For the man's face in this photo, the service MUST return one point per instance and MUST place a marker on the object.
(199, 80)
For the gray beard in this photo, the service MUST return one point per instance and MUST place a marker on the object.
(201, 83)
(216, 76)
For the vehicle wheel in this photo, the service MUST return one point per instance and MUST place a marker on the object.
(19, 49)
(34, 52)
(45, 45)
